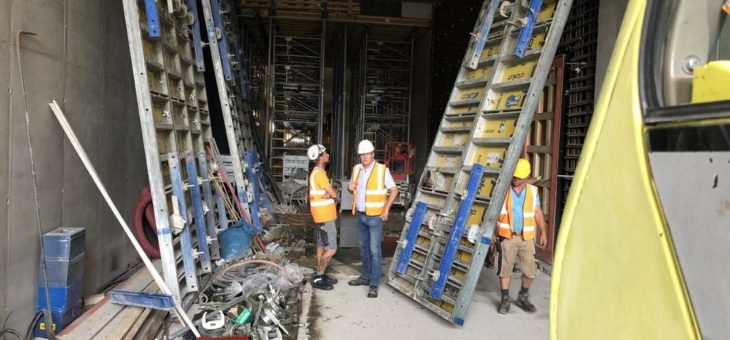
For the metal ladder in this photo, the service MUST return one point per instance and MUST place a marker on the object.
(470, 166)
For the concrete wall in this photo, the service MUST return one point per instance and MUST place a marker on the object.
(610, 16)
(80, 58)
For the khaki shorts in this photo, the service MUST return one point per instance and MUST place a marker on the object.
(326, 235)
(516, 248)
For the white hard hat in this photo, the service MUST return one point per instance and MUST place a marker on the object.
(365, 146)
(314, 151)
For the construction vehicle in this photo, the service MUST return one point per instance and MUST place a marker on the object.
(643, 245)
(400, 158)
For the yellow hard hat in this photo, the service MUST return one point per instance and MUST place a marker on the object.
(522, 170)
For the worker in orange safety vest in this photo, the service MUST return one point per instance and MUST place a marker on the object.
(324, 211)
(519, 219)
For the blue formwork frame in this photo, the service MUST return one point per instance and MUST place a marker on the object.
(153, 18)
(197, 41)
(457, 230)
(142, 299)
(210, 205)
(200, 224)
(482, 35)
(248, 156)
(222, 44)
(526, 32)
(186, 242)
(261, 183)
(415, 226)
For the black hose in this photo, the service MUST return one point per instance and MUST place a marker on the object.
(32, 325)
(11, 331)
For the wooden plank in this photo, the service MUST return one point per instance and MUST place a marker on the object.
(106, 313)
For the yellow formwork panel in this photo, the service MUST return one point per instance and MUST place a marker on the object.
(449, 308)
(497, 128)
(469, 94)
(486, 186)
(478, 74)
(489, 51)
(710, 82)
(489, 156)
(162, 143)
(537, 41)
(158, 113)
(462, 110)
(453, 139)
(457, 124)
(464, 257)
(547, 12)
(423, 242)
(446, 161)
(519, 72)
(508, 100)
(156, 82)
(476, 214)
(150, 51)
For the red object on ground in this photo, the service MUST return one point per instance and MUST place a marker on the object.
(400, 159)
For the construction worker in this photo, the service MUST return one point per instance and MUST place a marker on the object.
(369, 185)
(323, 209)
(521, 215)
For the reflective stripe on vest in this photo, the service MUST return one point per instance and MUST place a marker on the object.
(322, 209)
(529, 223)
(375, 191)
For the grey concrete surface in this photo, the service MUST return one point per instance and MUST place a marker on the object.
(79, 57)
(346, 313)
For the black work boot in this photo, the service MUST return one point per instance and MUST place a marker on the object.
(373, 292)
(523, 301)
(360, 281)
(504, 305)
(330, 279)
(320, 282)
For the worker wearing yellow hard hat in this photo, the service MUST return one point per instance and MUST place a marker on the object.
(521, 215)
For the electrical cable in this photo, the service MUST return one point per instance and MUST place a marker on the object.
(10, 331)
(29, 331)
(48, 316)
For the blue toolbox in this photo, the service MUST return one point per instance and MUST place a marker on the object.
(61, 319)
(64, 243)
(62, 298)
(62, 273)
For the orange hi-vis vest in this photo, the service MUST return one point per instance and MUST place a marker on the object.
(528, 213)
(375, 192)
(322, 209)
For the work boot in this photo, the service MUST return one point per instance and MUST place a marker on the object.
(360, 281)
(503, 305)
(330, 279)
(523, 301)
(373, 292)
(320, 282)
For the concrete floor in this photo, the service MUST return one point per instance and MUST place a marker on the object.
(346, 312)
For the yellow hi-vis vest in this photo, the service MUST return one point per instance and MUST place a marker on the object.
(375, 192)
(322, 209)
(528, 214)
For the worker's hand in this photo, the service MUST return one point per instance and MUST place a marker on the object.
(384, 215)
(543, 239)
(326, 195)
(352, 186)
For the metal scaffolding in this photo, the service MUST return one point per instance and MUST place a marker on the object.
(297, 64)
(385, 93)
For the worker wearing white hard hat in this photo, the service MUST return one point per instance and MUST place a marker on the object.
(374, 191)
(323, 209)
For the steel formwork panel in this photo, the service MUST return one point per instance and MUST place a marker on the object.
(470, 166)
